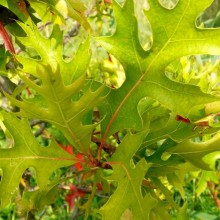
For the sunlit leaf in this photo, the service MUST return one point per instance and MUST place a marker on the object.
(128, 193)
(145, 69)
(26, 153)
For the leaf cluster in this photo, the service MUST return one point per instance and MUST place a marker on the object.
(137, 140)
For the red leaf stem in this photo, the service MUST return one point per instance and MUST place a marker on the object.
(7, 39)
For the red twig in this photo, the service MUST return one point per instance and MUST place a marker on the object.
(7, 39)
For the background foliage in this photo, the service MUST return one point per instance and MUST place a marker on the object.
(109, 109)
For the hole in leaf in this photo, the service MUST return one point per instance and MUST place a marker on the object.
(169, 4)
(28, 180)
(144, 29)
(8, 86)
(45, 29)
(210, 18)
(6, 139)
(199, 70)
(73, 36)
(101, 17)
(39, 131)
(216, 120)
(56, 175)
(105, 68)
(46, 132)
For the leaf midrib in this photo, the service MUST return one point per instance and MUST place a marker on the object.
(142, 76)
(66, 123)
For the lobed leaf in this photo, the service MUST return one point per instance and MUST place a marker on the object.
(38, 199)
(26, 153)
(59, 108)
(60, 82)
(50, 51)
(129, 178)
(194, 152)
(145, 70)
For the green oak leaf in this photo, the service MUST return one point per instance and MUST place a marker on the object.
(38, 199)
(160, 212)
(129, 178)
(50, 51)
(59, 108)
(26, 153)
(176, 130)
(60, 82)
(194, 151)
(183, 215)
(205, 177)
(145, 70)
(177, 178)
